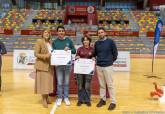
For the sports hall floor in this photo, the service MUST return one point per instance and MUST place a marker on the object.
(132, 89)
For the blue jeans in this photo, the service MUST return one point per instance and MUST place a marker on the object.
(63, 74)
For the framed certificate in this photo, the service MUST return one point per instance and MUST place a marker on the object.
(84, 66)
(61, 57)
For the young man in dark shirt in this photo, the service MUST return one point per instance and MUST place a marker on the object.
(105, 51)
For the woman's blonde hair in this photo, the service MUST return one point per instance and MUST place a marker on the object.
(50, 35)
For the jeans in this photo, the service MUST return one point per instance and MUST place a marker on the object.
(84, 92)
(63, 74)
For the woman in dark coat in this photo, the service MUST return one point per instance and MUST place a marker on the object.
(2, 51)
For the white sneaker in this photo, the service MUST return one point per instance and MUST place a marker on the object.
(67, 102)
(58, 101)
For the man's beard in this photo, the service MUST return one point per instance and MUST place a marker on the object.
(102, 37)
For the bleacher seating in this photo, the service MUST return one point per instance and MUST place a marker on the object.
(146, 20)
(119, 5)
(25, 42)
(8, 42)
(161, 46)
(113, 20)
(14, 19)
(134, 45)
(44, 18)
(82, 3)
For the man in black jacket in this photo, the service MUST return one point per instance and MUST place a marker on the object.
(105, 51)
(2, 51)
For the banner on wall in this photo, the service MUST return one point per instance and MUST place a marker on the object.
(23, 59)
(80, 10)
(114, 33)
(6, 31)
(53, 32)
(123, 61)
(151, 34)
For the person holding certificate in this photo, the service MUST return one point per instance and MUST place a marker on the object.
(84, 80)
(106, 53)
(63, 71)
(44, 71)
(2, 52)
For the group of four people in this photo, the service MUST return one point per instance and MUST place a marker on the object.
(104, 52)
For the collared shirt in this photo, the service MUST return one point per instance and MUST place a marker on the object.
(102, 39)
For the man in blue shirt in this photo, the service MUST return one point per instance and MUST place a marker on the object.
(105, 51)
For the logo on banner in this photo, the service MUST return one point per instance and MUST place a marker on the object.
(90, 9)
(22, 58)
(72, 10)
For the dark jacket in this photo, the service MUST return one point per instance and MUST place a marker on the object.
(2, 51)
(105, 52)
(2, 48)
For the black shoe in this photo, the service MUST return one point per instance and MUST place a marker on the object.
(79, 103)
(101, 103)
(88, 103)
(112, 106)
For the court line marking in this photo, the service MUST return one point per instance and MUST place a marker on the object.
(54, 108)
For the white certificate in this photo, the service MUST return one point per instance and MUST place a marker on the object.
(61, 57)
(84, 66)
